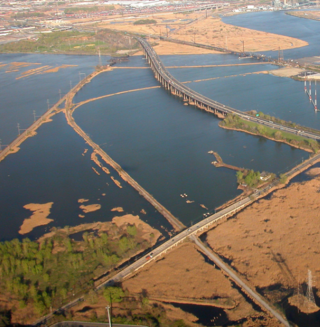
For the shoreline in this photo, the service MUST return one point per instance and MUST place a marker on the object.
(69, 109)
(290, 14)
(175, 223)
(14, 146)
(269, 138)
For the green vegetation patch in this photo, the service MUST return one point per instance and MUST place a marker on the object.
(59, 269)
(249, 177)
(80, 10)
(145, 21)
(27, 14)
(73, 42)
(284, 122)
(132, 309)
(235, 122)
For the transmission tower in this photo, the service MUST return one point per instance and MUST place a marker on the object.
(309, 294)
(280, 55)
(100, 62)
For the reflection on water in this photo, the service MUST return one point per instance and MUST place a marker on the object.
(164, 146)
(20, 97)
(50, 167)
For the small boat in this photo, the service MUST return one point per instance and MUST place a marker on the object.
(182, 195)
(185, 194)
(245, 57)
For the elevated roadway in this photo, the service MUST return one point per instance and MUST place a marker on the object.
(191, 233)
(177, 88)
(205, 224)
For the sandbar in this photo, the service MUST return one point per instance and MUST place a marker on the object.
(286, 71)
(116, 182)
(38, 218)
(95, 170)
(314, 171)
(119, 209)
(129, 219)
(83, 200)
(90, 207)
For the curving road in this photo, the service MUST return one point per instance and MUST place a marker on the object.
(161, 70)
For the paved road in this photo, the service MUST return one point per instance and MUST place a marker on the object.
(190, 232)
(176, 223)
(161, 69)
(240, 282)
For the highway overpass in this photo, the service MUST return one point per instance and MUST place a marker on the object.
(194, 98)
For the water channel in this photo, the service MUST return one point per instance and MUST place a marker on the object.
(151, 134)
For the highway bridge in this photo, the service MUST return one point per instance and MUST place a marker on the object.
(191, 233)
(194, 98)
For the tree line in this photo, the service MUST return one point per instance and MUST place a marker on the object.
(50, 273)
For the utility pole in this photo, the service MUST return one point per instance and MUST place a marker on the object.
(48, 103)
(108, 310)
(315, 95)
(309, 294)
(100, 62)
(18, 129)
(80, 76)
(34, 115)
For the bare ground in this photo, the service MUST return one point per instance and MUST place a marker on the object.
(211, 31)
(184, 273)
(275, 241)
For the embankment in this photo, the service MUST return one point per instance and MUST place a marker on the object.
(69, 109)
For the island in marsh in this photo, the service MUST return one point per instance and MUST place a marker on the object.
(66, 263)
(39, 217)
(234, 122)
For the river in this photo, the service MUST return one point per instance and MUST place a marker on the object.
(160, 142)
(50, 167)
(279, 22)
(164, 145)
(20, 95)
